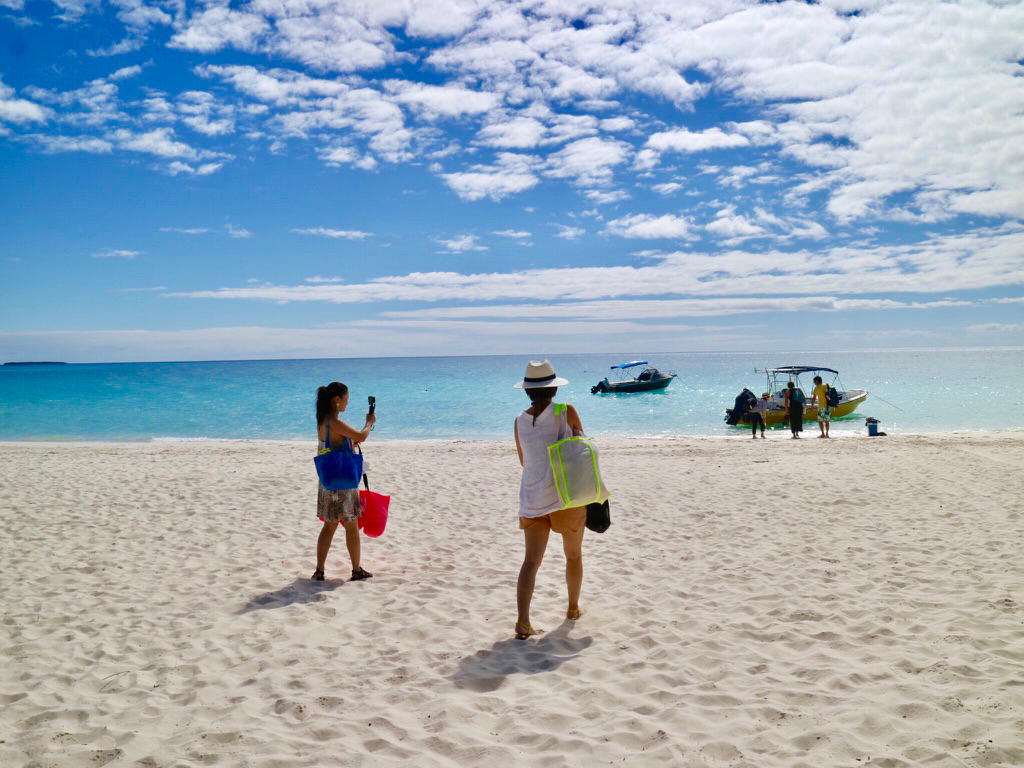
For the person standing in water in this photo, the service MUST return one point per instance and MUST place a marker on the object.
(334, 507)
(758, 416)
(540, 509)
(795, 408)
(820, 397)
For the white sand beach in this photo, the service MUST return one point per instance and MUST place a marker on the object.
(762, 604)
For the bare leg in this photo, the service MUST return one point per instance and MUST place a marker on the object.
(572, 545)
(352, 542)
(323, 544)
(536, 543)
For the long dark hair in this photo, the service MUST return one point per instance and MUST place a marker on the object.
(541, 398)
(324, 397)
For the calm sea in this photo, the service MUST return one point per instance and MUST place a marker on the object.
(912, 391)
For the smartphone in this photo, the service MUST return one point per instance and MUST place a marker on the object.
(373, 403)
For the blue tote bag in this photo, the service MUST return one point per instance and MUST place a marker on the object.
(340, 469)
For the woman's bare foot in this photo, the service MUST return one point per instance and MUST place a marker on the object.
(573, 614)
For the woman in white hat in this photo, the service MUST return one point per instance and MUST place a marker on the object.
(540, 509)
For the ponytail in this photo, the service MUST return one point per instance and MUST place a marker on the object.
(541, 398)
(324, 397)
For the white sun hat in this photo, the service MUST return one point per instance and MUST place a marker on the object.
(540, 373)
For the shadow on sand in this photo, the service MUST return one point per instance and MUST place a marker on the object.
(487, 670)
(298, 592)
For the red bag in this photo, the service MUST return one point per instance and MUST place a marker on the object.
(375, 511)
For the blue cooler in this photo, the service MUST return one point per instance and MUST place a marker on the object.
(872, 427)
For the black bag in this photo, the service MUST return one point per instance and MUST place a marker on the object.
(832, 397)
(598, 517)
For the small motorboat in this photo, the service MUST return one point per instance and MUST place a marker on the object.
(777, 384)
(648, 380)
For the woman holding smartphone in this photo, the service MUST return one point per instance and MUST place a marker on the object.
(334, 507)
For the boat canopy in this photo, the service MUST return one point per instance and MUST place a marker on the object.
(629, 365)
(799, 369)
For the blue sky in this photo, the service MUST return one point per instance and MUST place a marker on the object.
(287, 178)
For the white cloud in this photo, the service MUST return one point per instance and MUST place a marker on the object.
(617, 309)
(969, 261)
(588, 161)
(996, 327)
(348, 234)
(185, 231)
(570, 233)
(648, 225)
(339, 155)
(684, 140)
(516, 233)
(156, 142)
(440, 101)
(55, 144)
(218, 27)
(15, 110)
(605, 196)
(225, 343)
(462, 244)
(616, 124)
(733, 227)
(127, 45)
(497, 185)
(125, 72)
(176, 167)
(882, 115)
(667, 188)
(237, 231)
(116, 253)
(510, 174)
(514, 133)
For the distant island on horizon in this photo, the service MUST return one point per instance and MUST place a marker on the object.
(37, 362)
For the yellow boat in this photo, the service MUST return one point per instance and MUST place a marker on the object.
(777, 383)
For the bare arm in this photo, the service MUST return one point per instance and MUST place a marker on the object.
(519, 448)
(574, 421)
(339, 427)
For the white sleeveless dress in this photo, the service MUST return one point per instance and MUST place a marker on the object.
(537, 493)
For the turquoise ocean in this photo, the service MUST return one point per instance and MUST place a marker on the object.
(911, 391)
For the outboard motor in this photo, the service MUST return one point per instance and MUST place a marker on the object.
(745, 400)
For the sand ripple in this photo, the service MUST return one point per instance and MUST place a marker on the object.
(857, 603)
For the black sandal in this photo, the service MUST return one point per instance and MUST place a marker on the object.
(359, 574)
(318, 575)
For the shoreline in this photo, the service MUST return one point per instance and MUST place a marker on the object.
(733, 433)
